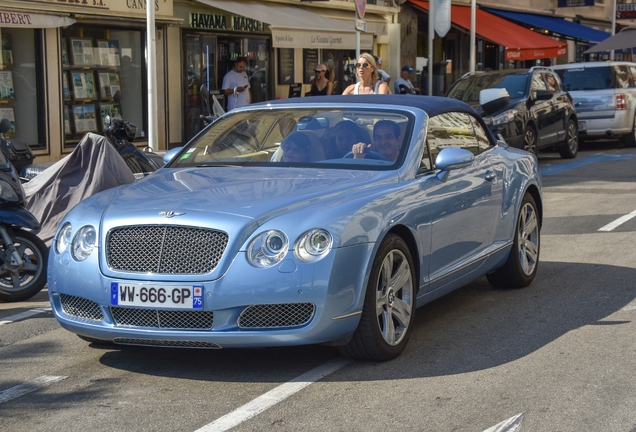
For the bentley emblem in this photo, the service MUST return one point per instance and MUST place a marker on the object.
(170, 214)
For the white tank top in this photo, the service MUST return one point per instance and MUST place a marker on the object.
(375, 90)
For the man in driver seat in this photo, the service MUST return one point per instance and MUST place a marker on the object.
(387, 137)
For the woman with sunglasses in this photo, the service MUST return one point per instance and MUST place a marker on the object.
(321, 85)
(369, 83)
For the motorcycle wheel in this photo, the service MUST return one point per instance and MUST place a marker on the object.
(21, 283)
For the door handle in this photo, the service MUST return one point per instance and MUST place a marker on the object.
(490, 176)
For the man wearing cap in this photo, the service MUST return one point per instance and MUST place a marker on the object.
(403, 85)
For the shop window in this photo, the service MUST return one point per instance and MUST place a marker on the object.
(96, 64)
(21, 84)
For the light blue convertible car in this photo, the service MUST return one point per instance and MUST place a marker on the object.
(301, 221)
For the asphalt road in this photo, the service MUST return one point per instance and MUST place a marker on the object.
(561, 352)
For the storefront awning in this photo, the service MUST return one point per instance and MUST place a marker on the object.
(520, 43)
(554, 24)
(31, 20)
(293, 27)
(625, 39)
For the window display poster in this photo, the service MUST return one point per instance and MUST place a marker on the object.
(82, 51)
(108, 84)
(83, 85)
(7, 51)
(67, 122)
(65, 88)
(84, 118)
(6, 85)
(109, 52)
(285, 65)
(310, 61)
(108, 113)
(7, 113)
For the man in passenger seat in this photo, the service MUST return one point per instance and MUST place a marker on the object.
(387, 137)
(295, 148)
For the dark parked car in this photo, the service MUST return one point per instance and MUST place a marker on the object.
(531, 109)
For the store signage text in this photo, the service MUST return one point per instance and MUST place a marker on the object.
(15, 18)
(247, 24)
(137, 4)
(130, 4)
(326, 40)
(574, 3)
(208, 21)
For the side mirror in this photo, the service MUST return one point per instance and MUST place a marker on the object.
(451, 159)
(544, 95)
(170, 154)
(494, 99)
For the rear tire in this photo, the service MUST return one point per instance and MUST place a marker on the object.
(629, 140)
(522, 264)
(389, 305)
(570, 146)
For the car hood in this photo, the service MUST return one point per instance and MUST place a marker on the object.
(257, 193)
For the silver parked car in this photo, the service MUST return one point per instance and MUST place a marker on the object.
(276, 226)
(604, 97)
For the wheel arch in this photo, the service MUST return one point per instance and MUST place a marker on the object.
(533, 190)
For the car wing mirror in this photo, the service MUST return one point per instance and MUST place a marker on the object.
(544, 95)
(493, 99)
(451, 159)
(170, 154)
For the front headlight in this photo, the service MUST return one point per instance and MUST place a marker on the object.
(84, 242)
(313, 245)
(267, 249)
(504, 117)
(63, 238)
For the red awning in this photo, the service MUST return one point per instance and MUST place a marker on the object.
(520, 43)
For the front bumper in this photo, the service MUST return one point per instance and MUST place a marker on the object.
(318, 302)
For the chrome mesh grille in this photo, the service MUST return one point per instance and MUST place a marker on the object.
(165, 249)
(276, 315)
(163, 319)
(166, 343)
(81, 308)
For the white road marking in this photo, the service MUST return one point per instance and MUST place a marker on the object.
(629, 308)
(28, 387)
(621, 220)
(513, 424)
(18, 317)
(273, 396)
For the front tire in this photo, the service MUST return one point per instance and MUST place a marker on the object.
(570, 146)
(21, 283)
(389, 305)
(522, 264)
(530, 140)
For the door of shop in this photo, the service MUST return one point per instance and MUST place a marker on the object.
(200, 69)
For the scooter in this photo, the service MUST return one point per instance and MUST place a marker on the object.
(23, 255)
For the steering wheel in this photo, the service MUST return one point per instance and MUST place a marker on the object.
(371, 154)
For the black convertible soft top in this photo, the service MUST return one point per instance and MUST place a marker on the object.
(432, 105)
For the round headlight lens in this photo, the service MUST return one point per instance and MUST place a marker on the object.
(313, 245)
(63, 238)
(267, 249)
(84, 242)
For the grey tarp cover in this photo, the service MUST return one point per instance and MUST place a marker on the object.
(92, 167)
(625, 39)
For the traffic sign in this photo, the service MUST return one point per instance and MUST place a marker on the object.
(361, 7)
(361, 25)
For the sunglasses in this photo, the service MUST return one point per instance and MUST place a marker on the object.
(319, 71)
(362, 65)
(289, 146)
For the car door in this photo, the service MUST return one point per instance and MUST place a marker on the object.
(464, 205)
(560, 106)
(542, 110)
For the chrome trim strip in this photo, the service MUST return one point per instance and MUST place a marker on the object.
(349, 315)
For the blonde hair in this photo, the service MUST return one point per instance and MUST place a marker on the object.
(369, 58)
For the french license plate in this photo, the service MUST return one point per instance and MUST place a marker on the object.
(582, 125)
(160, 296)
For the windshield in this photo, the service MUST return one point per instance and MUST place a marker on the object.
(591, 78)
(467, 90)
(315, 138)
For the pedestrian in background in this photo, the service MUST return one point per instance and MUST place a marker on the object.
(236, 85)
(321, 84)
(384, 76)
(369, 80)
(403, 84)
